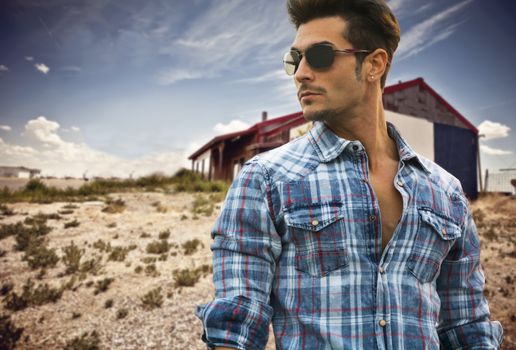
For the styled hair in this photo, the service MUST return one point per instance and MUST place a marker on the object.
(370, 23)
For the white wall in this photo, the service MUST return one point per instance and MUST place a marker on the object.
(198, 163)
(417, 133)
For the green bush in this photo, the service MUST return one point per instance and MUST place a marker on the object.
(186, 277)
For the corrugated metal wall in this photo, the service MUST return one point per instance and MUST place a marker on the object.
(456, 151)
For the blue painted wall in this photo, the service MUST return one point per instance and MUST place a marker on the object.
(456, 151)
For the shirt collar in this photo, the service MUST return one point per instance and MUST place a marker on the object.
(328, 145)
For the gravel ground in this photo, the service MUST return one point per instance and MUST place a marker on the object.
(174, 325)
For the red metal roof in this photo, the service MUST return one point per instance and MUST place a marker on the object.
(420, 82)
(256, 128)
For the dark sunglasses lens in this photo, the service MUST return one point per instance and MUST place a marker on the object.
(291, 62)
(320, 56)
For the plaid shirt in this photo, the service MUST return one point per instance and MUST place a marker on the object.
(298, 243)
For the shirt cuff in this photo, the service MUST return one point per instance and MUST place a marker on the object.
(477, 335)
(236, 322)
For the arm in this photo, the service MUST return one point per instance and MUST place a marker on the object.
(464, 317)
(245, 249)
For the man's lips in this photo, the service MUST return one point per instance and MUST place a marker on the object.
(307, 94)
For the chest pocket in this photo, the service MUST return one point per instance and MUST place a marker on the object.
(434, 238)
(319, 237)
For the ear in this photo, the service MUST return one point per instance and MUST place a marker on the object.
(377, 62)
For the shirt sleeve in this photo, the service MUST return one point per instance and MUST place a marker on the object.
(245, 250)
(464, 316)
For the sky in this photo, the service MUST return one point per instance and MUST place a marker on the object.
(127, 88)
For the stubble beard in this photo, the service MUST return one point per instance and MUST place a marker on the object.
(328, 116)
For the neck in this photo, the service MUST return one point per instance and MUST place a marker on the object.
(367, 125)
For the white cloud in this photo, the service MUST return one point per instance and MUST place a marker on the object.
(429, 32)
(29, 58)
(232, 126)
(43, 68)
(3, 68)
(55, 156)
(5, 127)
(75, 128)
(171, 76)
(43, 130)
(251, 35)
(71, 69)
(492, 130)
(493, 151)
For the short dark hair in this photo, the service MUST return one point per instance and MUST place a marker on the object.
(371, 23)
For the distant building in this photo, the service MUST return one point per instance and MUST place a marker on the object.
(427, 121)
(501, 182)
(19, 172)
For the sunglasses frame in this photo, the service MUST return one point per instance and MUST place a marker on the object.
(300, 55)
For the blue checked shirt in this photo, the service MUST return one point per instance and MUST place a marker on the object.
(298, 244)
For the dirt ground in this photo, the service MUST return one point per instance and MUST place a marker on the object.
(174, 325)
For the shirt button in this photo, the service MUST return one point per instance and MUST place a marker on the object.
(315, 222)
(372, 217)
(400, 183)
(355, 148)
(382, 270)
(382, 323)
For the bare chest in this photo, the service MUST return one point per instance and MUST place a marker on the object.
(390, 203)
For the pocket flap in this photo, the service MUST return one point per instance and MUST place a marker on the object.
(444, 226)
(314, 216)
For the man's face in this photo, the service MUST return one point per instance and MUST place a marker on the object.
(334, 92)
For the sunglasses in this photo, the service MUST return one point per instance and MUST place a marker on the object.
(318, 56)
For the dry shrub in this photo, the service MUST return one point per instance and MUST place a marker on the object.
(190, 246)
(65, 212)
(118, 254)
(5, 210)
(159, 207)
(25, 236)
(73, 223)
(114, 206)
(186, 277)
(121, 313)
(158, 247)
(102, 285)
(108, 304)
(72, 258)
(164, 234)
(92, 266)
(151, 270)
(9, 333)
(39, 256)
(86, 341)
(42, 294)
(152, 299)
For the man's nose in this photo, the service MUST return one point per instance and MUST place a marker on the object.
(304, 71)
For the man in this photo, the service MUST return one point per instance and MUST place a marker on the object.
(346, 238)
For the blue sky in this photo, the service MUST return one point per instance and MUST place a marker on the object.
(130, 87)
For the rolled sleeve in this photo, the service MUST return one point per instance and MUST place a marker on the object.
(236, 322)
(464, 317)
(245, 250)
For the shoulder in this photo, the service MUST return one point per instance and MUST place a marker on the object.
(441, 178)
(287, 162)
